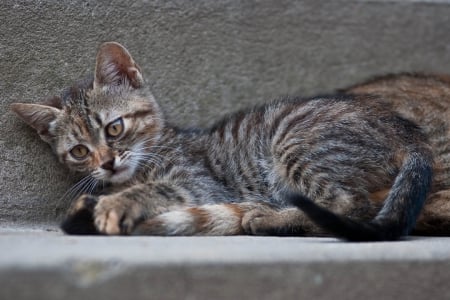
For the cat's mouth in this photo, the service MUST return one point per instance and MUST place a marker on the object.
(120, 174)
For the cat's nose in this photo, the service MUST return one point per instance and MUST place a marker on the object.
(109, 165)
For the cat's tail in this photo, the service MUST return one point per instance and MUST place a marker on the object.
(398, 214)
(208, 219)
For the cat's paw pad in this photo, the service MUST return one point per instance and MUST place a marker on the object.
(114, 215)
(258, 222)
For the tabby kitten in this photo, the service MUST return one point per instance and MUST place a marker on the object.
(366, 169)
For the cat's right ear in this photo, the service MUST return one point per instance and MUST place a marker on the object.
(38, 116)
(115, 68)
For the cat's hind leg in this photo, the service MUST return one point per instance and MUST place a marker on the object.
(292, 221)
(435, 216)
(279, 222)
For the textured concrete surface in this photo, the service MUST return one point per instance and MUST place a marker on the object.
(201, 59)
(46, 265)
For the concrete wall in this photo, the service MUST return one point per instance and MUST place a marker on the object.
(201, 58)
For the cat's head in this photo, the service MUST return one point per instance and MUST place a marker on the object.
(105, 127)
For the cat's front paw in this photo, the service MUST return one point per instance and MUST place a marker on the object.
(79, 218)
(114, 215)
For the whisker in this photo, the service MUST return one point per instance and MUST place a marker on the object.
(92, 186)
(162, 147)
(77, 189)
(77, 186)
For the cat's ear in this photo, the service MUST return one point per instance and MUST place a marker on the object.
(116, 68)
(38, 116)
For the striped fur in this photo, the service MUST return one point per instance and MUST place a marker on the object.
(357, 169)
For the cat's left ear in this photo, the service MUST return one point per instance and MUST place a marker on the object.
(38, 116)
(116, 68)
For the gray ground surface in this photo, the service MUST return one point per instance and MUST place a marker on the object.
(25, 248)
(44, 264)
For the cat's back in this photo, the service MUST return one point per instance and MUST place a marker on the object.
(324, 134)
(309, 118)
(299, 116)
(422, 98)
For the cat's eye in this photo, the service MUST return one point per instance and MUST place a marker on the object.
(115, 128)
(79, 152)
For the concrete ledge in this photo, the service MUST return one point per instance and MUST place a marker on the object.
(47, 265)
(316, 281)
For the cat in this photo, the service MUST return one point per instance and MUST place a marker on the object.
(343, 165)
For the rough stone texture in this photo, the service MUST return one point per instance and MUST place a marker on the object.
(201, 58)
(219, 268)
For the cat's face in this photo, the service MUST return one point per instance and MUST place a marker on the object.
(105, 129)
